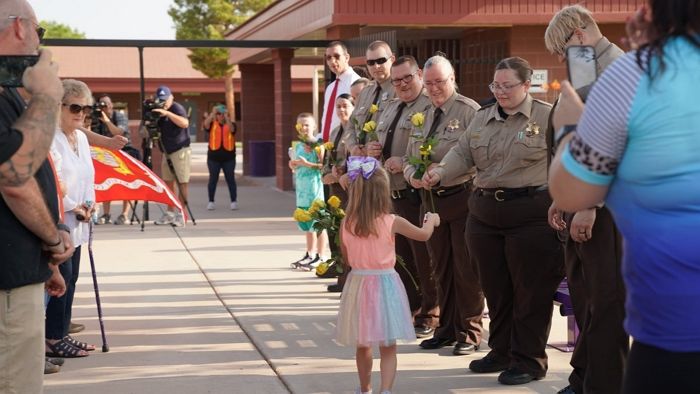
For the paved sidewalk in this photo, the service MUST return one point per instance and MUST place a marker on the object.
(214, 308)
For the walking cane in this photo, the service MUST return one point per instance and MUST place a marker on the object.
(105, 347)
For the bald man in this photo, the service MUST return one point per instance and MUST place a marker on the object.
(32, 241)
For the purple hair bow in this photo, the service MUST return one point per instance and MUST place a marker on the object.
(361, 165)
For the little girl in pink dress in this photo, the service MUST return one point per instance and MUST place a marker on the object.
(374, 306)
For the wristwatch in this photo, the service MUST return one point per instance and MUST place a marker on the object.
(562, 132)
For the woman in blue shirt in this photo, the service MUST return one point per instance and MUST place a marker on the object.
(636, 148)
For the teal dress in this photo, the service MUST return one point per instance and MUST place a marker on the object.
(308, 182)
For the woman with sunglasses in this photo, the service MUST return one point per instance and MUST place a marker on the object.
(519, 258)
(77, 176)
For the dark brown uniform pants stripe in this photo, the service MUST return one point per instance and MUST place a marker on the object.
(415, 255)
(521, 263)
(459, 293)
(598, 294)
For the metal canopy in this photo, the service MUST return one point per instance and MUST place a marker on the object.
(141, 44)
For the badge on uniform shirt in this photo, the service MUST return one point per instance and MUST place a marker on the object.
(385, 96)
(532, 129)
(453, 125)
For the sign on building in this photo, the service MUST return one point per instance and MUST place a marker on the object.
(539, 78)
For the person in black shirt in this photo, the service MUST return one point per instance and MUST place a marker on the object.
(32, 242)
(173, 125)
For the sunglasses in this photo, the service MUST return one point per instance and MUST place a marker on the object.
(77, 108)
(40, 31)
(372, 62)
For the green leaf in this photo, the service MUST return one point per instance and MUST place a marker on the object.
(59, 30)
(210, 20)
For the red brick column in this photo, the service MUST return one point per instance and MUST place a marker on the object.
(284, 119)
(257, 107)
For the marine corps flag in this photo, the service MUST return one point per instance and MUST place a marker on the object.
(119, 176)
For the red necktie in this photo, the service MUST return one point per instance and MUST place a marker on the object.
(329, 111)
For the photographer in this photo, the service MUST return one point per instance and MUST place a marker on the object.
(172, 125)
(221, 154)
(108, 122)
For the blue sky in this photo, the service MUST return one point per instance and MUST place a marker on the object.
(118, 19)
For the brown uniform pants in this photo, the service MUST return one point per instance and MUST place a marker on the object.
(598, 294)
(521, 264)
(459, 293)
(336, 190)
(415, 256)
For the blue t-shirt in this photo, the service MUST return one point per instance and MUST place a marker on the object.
(641, 137)
(174, 137)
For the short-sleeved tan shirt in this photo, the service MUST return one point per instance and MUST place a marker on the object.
(458, 112)
(402, 132)
(361, 114)
(508, 153)
(339, 154)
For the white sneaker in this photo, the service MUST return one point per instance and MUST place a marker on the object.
(234, 206)
(179, 221)
(167, 218)
(210, 206)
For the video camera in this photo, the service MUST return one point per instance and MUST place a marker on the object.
(150, 118)
(96, 114)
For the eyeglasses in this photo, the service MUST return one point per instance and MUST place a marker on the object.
(372, 62)
(439, 83)
(493, 87)
(333, 56)
(40, 31)
(407, 79)
(77, 108)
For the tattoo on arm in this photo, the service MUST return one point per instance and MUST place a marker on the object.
(37, 125)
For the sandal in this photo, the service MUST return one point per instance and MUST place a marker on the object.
(77, 344)
(64, 349)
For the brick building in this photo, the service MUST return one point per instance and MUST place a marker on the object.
(116, 71)
(475, 34)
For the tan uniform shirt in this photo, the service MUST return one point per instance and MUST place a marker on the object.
(340, 150)
(508, 153)
(361, 114)
(458, 112)
(402, 132)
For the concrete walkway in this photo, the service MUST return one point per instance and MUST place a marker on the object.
(214, 308)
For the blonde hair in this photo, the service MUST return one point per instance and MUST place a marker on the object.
(565, 22)
(368, 199)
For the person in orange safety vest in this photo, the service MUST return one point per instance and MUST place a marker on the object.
(221, 154)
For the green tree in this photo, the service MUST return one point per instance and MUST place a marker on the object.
(210, 20)
(59, 30)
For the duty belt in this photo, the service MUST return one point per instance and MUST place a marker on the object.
(450, 190)
(398, 194)
(506, 194)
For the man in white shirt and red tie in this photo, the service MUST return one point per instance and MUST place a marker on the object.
(337, 59)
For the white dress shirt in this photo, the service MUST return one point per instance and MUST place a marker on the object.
(344, 80)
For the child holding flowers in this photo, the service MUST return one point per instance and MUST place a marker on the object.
(374, 306)
(306, 158)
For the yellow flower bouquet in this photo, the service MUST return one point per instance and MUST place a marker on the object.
(325, 216)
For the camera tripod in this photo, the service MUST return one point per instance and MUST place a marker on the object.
(148, 160)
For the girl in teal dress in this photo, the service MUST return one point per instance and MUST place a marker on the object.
(306, 162)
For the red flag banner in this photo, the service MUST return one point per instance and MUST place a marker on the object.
(119, 176)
